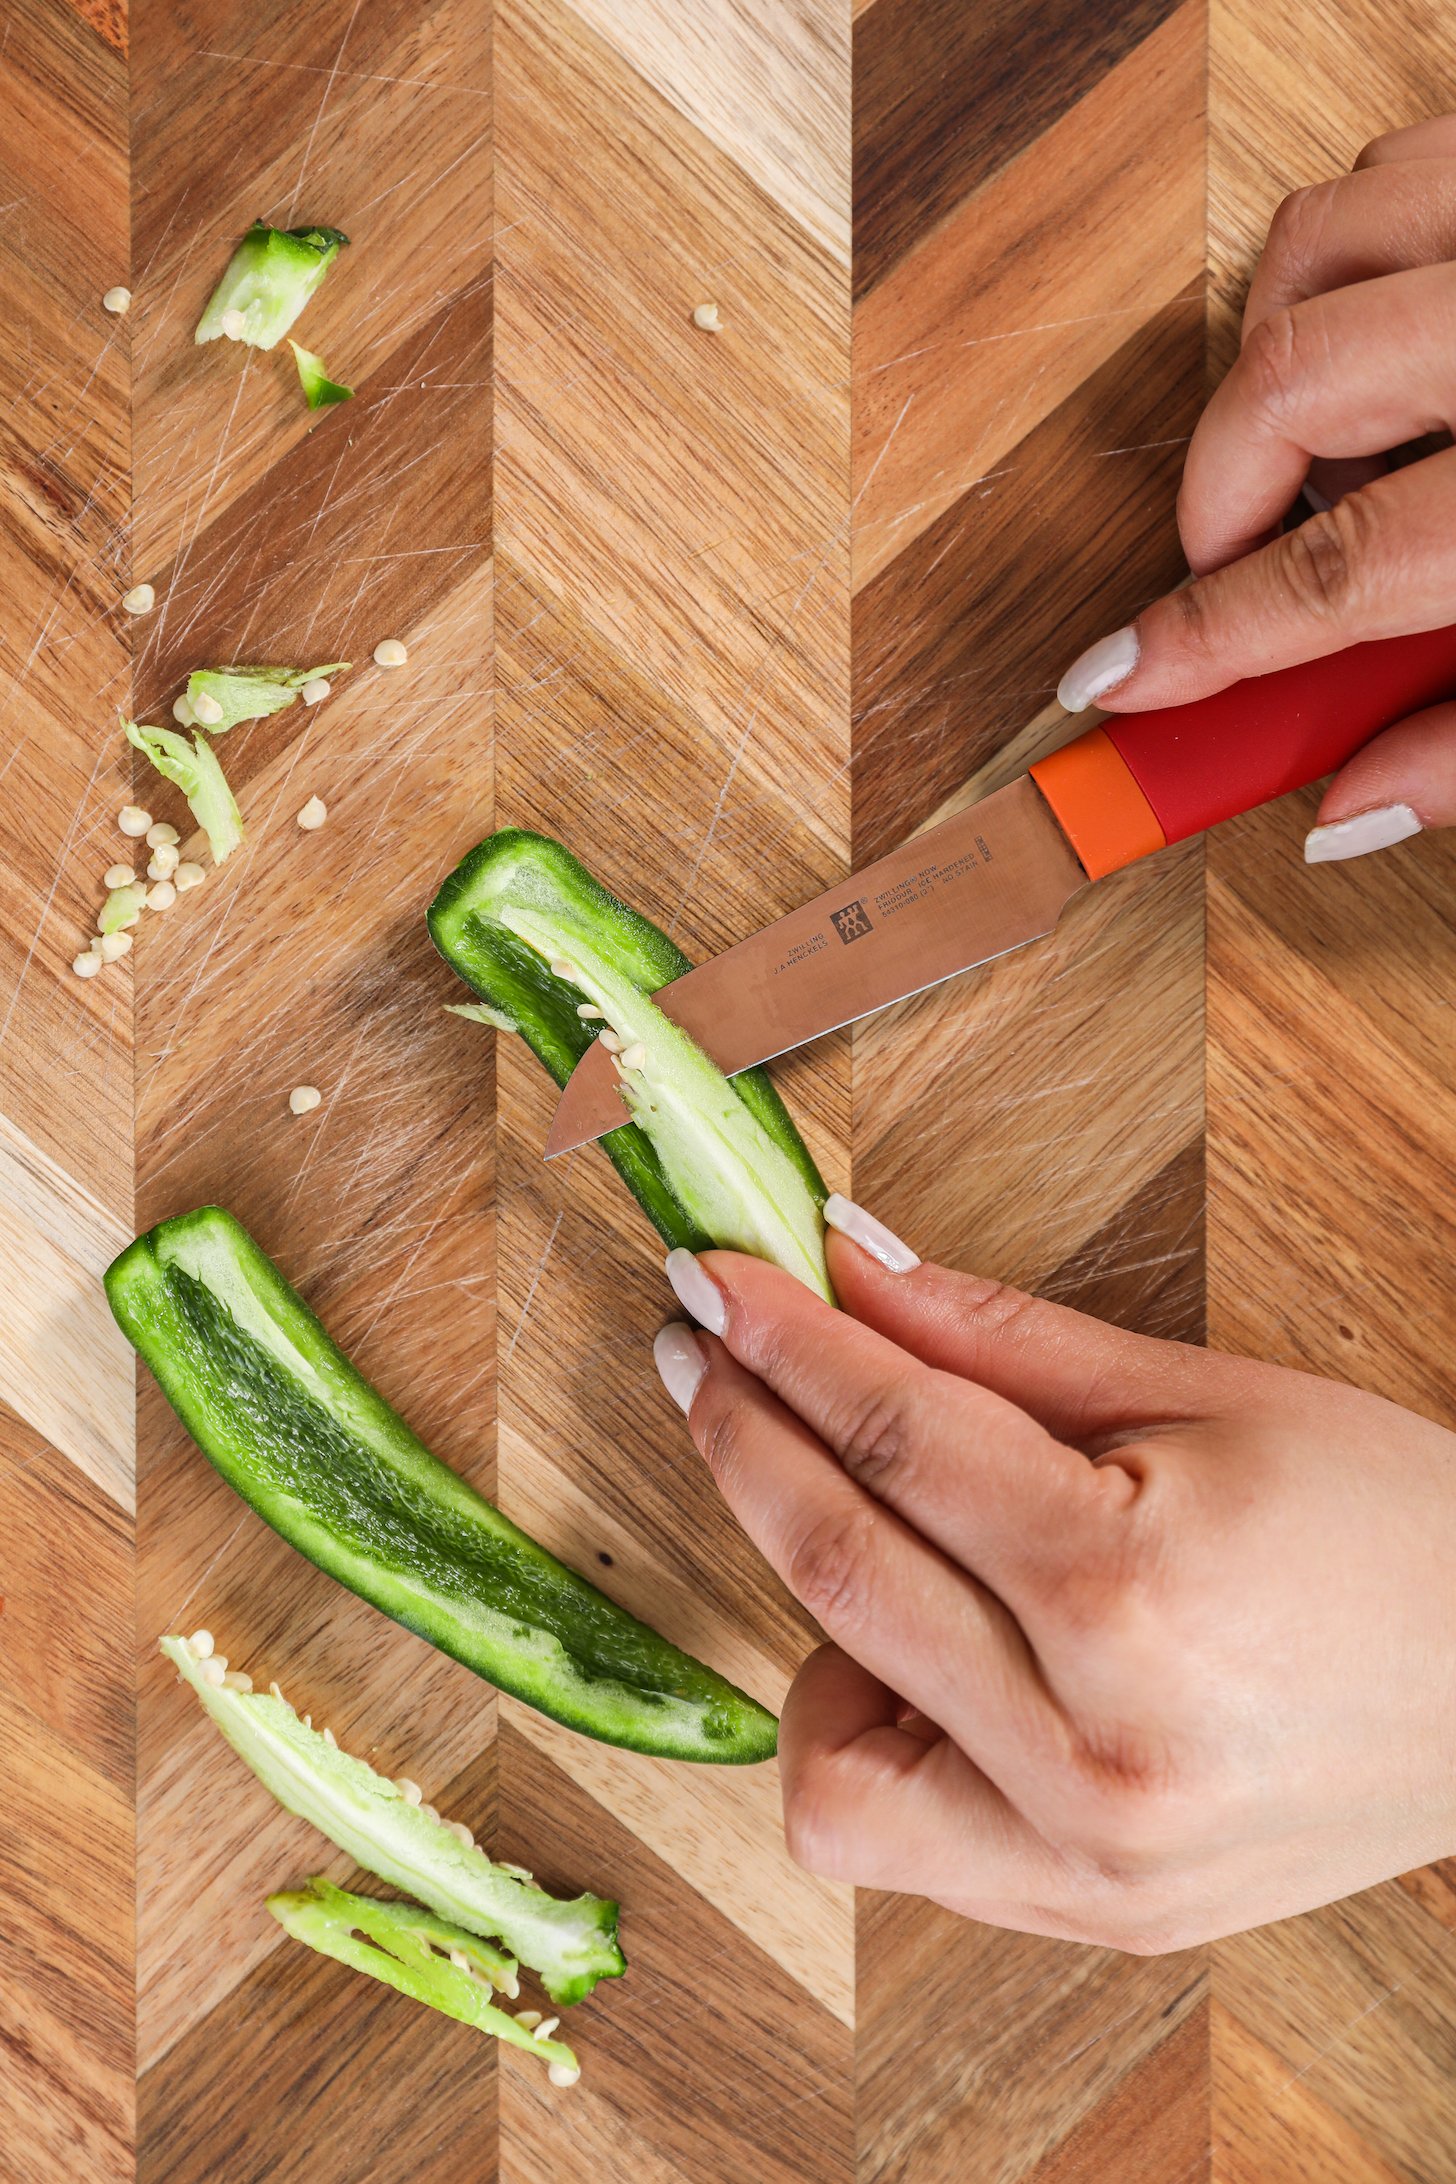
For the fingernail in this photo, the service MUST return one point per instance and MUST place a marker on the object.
(1358, 836)
(678, 1356)
(871, 1235)
(1103, 665)
(696, 1291)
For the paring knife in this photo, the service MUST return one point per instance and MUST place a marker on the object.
(999, 874)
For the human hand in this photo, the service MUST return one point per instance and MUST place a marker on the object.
(1349, 349)
(1176, 1627)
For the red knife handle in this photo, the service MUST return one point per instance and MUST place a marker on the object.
(1143, 779)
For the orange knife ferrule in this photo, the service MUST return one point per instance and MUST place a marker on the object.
(1098, 804)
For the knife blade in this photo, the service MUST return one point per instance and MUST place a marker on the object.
(999, 873)
(984, 882)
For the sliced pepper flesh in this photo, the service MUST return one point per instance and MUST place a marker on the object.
(251, 693)
(269, 279)
(410, 1950)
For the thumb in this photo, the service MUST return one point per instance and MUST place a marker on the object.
(1404, 780)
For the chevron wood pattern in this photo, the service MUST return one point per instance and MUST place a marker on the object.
(723, 610)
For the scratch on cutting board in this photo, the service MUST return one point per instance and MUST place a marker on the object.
(323, 102)
(1019, 333)
(536, 1273)
(349, 75)
(50, 896)
(1368, 2011)
(1138, 447)
(175, 1622)
(836, 538)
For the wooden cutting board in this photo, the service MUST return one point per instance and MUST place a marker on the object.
(744, 605)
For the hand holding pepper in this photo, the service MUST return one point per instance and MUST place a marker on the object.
(1131, 1643)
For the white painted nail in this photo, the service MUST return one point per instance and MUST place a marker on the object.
(679, 1358)
(696, 1291)
(1358, 836)
(1103, 665)
(871, 1235)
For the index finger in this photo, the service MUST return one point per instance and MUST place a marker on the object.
(969, 1469)
(1353, 372)
(884, 1594)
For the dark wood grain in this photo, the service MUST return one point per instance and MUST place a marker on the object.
(1145, 1267)
(66, 1851)
(349, 540)
(66, 1574)
(1015, 2042)
(1152, 2127)
(946, 94)
(959, 641)
(67, 1860)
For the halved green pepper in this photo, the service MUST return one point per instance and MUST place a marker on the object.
(710, 1160)
(305, 1439)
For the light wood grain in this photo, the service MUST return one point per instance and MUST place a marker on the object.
(684, 493)
(67, 2098)
(718, 1827)
(709, 2061)
(64, 1365)
(767, 81)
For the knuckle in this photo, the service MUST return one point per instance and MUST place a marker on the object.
(874, 1442)
(1324, 563)
(813, 1824)
(1273, 363)
(1195, 625)
(1138, 1816)
(722, 1444)
(1118, 1593)
(1300, 220)
(827, 1566)
(996, 1306)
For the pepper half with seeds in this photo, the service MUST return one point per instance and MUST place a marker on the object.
(570, 1944)
(711, 1160)
(320, 1455)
